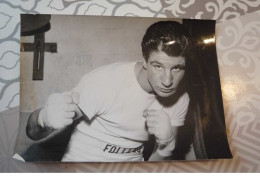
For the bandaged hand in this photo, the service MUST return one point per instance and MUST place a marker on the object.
(158, 124)
(60, 110)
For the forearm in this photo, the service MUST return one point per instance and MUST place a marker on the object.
(164, 151)
(34, 130)
(157, 157)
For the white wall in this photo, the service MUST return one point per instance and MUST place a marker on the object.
(84, 43)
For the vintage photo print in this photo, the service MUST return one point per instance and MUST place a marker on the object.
(119, 89)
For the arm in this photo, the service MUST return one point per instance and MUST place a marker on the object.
(159, 124)
(165, 127)
(60, 111)
(34, 130)
(164, 151)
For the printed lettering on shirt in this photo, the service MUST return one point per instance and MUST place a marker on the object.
(120, 150)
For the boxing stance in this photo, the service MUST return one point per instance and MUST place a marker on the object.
(120, 105)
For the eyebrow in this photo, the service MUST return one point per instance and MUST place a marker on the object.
(180, 65)
(156, 62)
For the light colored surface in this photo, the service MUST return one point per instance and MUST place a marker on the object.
(238, 49)
(83, 43)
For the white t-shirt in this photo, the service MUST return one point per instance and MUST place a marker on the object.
(113, 102)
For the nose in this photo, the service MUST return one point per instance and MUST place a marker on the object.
(167, 79)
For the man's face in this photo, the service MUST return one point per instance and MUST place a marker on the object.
(164, 73)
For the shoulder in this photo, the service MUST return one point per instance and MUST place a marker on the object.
(184, 98)
(178, 111)
(180, 104)
(183, 101)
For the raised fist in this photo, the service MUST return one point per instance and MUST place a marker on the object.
(60, 110)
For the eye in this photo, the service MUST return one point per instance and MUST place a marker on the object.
(157, 67)
(178, 68)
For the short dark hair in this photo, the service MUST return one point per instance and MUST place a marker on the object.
(170, 36)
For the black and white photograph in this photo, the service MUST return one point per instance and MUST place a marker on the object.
(119, 89)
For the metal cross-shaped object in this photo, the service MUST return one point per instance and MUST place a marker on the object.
(39, 47)
(37, 25)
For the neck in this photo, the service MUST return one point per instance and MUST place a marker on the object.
(141, 76)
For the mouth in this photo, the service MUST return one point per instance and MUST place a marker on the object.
(167, 90)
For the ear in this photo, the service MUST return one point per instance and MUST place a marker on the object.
(144, 64)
